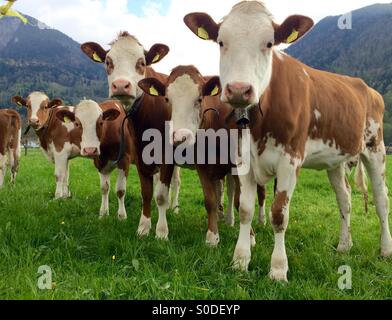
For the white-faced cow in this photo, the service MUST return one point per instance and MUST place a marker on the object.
(126, 64)
(10, 134)
(299, 117)
(59, 141)
(195, 105)
(100, 126)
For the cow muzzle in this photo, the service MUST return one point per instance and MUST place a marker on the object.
(239, 94)
(90, 152)
(183, 137)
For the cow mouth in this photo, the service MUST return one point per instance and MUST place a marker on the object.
(126, 100)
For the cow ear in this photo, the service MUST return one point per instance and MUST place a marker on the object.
(110, 114)
(19, 101)
(153, 87)
(55, 103)
(202, 25)
(65, 116)
(212, 88)
(157, 52)
(292, 29)
(94, 51)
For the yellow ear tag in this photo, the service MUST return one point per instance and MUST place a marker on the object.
(153, 91)
(67, 120)
(96, 57)
(202, 33)
(215, 91)
(293, 36)
(156, 58)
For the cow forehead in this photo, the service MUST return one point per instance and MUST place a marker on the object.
(247, 19)
(88, 111)
(36, 98)
(126, 48)
(183, 86)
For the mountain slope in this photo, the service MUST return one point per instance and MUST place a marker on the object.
(38, 58)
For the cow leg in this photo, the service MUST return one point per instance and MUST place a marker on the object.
(11, 160)
(3, 168)
(247, 198)
(220, 192)
(66, 192)
(162, 201)
(105, 188)
(146, 184)
(209, 187)
(261, 198)
(121, 191)
(61, 164)
(230, 185)
(342, 190)
(279, 217)
(375, 165)
(175, 192)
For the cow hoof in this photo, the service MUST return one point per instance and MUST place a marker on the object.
(241, 260)
(162, 233)
(344, 247)
(212, 239)
(176, 210)
(144, 226)
(253, 240)
(230, 222)
(122, 216)
(386, 249)
(278, 275)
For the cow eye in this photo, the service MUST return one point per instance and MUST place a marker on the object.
(220, 43)
(200, 100)
(269, 45)
(167, 99)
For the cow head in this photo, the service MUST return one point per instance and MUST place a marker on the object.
(184, 92)
(38, 107)
(246, 38)
(89, 118)
(126, 62)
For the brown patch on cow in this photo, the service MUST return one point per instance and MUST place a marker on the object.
(120, 194)
(141, 66)
(109, 65)
(345, 103)
(280, 202)
(10, 125)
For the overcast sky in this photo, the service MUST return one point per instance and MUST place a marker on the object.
(153, 21)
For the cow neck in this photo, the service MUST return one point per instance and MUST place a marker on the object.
(42, 131)
(130, 115)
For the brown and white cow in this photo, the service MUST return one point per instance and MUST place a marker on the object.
(100, 126)
(10, 135)
(299, 118)
(59, 141)
(195, 105)
(126, 63)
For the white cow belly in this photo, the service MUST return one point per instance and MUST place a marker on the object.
(264, 166)
(320, 155)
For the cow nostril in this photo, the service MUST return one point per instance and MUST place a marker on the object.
(114, 86)
(248, 92)
(128, 86)
(183, 139)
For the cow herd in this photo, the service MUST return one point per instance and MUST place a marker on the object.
(286, 116)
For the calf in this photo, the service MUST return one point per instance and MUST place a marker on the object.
(194, 105)
(100, 126)
(59, 141)
(10, 135)
(126, 63)
(298, 117)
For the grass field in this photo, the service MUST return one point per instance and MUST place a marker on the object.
(104, 259)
